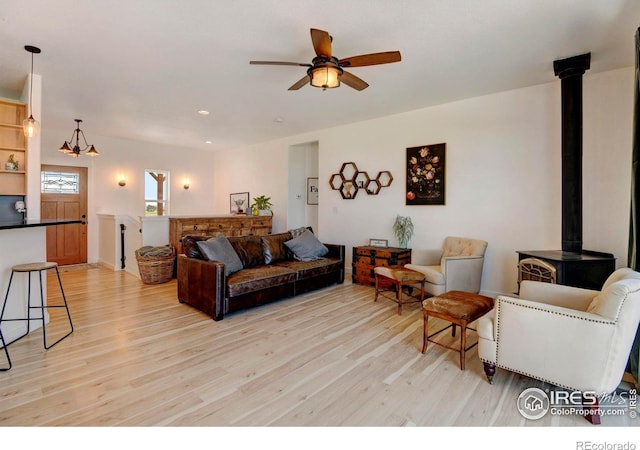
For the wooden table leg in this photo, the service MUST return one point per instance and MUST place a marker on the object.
(375, 298)
(425, 335)
(463, 345)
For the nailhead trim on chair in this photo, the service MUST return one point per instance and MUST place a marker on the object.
(605, 321)
(516, 303)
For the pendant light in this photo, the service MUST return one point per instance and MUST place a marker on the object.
(30, 125)
(73, 149)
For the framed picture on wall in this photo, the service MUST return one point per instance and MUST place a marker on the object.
(425, 175)
(239, 203)
(312, 191)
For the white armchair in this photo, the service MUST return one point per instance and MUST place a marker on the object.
(573, 338)
(457, 266)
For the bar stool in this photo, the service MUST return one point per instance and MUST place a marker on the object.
(29, 268)
(6, 351)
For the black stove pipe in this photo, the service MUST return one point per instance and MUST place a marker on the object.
(570, 71)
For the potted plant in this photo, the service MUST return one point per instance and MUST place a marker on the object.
(261, 206)
(12, 164)
(403, 230)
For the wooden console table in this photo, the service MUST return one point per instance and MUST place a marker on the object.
(367, 258)
(212, 225)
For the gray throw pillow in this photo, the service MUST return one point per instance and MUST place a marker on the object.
(297, 231)
(220, 249)
(307, 247)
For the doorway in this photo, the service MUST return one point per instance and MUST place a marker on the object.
(63, 195)
(302, 211)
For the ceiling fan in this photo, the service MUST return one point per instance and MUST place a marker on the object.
(327, 71)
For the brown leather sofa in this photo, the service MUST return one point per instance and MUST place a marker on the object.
(270, 272)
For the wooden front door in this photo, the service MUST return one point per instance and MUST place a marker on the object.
(65, 198)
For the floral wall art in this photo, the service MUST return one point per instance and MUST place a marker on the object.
(425, 175)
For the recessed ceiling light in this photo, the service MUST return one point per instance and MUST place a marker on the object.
(208, 142)
(278, 119)
(203, 112)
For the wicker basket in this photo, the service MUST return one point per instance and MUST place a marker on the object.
(156, 269)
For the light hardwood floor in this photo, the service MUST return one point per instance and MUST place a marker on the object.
(329, 358)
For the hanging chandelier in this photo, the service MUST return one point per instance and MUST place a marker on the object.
(31, 126)
(74, 150)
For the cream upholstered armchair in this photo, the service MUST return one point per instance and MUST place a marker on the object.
(573, 338)
(457, 266)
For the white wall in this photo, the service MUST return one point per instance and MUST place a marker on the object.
(503, 169)
(131, 158)
(259, 170)
(607, 135)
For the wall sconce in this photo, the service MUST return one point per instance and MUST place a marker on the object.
(122, 181)
(185, 183)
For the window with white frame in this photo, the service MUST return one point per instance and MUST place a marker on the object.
(156, 192)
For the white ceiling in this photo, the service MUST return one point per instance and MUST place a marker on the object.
(140, 69)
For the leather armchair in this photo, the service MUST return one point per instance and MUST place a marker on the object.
(570, 337)
(456, 266)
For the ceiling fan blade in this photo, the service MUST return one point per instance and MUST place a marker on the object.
(298, 84)
(279, 63)
(321, 42)
(353, 81)
(371, 59)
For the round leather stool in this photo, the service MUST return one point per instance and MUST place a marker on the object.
(29, 268)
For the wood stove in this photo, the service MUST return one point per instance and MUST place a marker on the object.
(574, 266)
(587, 270)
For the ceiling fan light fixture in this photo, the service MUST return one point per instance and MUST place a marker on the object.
(325, 77)
(326, 71)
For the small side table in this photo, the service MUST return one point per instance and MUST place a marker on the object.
(367, 258)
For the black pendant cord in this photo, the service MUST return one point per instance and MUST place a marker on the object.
(31, 88)
(31, 49)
